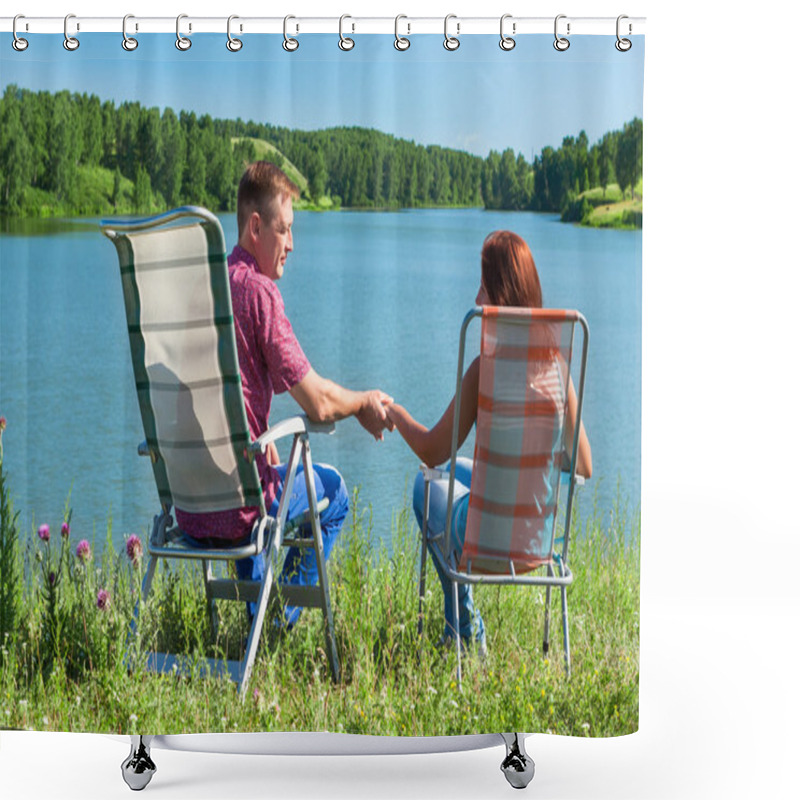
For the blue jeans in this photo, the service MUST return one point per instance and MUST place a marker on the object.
(470, 623)
(300, 566)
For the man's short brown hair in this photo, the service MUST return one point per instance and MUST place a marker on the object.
(260, 184)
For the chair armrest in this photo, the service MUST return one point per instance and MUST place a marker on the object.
(579, 479)
(289, 427)
(432, 473)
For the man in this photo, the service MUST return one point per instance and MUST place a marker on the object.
(271, 361)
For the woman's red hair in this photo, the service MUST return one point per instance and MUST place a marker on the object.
(508, 271)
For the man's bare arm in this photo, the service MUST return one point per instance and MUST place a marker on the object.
(326, 401)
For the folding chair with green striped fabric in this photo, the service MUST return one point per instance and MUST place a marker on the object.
(521, 457)
(183, 347)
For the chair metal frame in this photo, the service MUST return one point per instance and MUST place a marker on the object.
(558, 560)
(268, 534)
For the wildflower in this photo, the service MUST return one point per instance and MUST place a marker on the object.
(52, 578)
(585, 726)
(2, 424)
(133, 719)
(65, 530)
(44, 532)
(134, 549)
(45, 721)
(102, 599)
(83, 551)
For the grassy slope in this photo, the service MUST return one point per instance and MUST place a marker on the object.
(94, 186)
(610, 207)
(266, 150)
(64, 668)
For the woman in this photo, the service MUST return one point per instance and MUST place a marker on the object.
(508, 278)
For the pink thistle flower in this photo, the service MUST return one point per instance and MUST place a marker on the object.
(65, 530)
(83, 551)
(2, 424)
(44, 532)
(103, 599)
(52, 578)
(134, 548)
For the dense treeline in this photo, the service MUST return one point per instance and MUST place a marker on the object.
(557, 177)
(71, 153)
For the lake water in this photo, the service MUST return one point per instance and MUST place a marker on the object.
(376, 300)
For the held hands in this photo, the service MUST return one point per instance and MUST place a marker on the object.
(373, 416)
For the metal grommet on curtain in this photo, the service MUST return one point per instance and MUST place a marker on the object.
(623, 45)
(289, 44)
(400, 42)
(19, 44)
(181, 42)
(233, 44)
(128, 42)
(345, 42)
(561, 43)
(507, 42)
(451, 43)
(70, 42)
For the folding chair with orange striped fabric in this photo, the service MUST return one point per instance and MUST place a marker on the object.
(520, 459)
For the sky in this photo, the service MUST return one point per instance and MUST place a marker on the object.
(477, 98)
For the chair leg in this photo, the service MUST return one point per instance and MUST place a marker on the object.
(213, 615)
(458, 633)
(423, 558)
(565, 621)
(517, 766)
(256, 626)
(547, 594)
(138, 768)
(324, 587)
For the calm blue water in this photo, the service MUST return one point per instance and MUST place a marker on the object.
(376, 300)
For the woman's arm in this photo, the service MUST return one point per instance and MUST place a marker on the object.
(584, 465)
(432, 446)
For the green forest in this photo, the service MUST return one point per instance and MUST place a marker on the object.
(68, 154)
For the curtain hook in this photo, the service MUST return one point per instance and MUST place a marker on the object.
(233, 44)
(561, 43)
(623, 45)
(70, 42)
(507, 42)
(182, 42)
(289, 43)
(401, 42)
(345, 42)
(128, 42)
(19, 44)
(451, 43)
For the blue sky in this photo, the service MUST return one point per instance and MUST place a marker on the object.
(477, 98)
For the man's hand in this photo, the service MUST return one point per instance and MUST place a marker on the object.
(372, 415)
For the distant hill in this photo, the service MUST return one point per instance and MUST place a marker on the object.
(68, 154)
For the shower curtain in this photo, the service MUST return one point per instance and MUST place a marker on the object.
(406, 157)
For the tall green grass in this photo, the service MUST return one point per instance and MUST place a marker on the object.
(64, 666)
